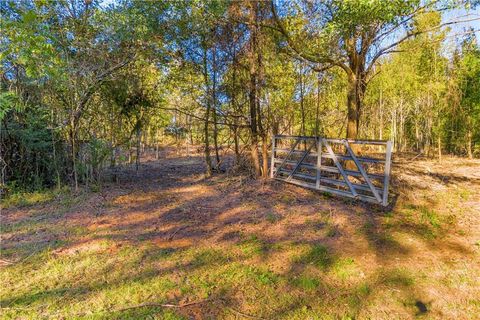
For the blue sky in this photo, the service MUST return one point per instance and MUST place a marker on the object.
(457, 31)
(461, 15)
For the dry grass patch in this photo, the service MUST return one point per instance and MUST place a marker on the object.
(224, 246)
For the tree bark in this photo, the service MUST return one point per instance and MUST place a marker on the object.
(157, 143)
(253, 125)
(73, 144)
(439, 141)
(317, 110)
(208, 159)
(253, 47)
(354, 105)
(214, 104)
(234, 107)
(302, 106)
(469, 144)
(265, 156)
(137, 157)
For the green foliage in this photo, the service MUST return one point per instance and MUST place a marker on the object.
(34, 148)
(463, 119)
(8, 101)
(85, 83)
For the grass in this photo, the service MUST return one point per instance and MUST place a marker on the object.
(252, 246)
(24, 199)
(306, 283)
(316, 255)
(345, 268)
(272, 217)
(62, 261)
(430, 216)
(28, 199)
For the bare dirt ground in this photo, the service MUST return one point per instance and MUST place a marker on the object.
(229, 247)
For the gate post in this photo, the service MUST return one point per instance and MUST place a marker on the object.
(319, 161)
(272, 163)
(388, 160)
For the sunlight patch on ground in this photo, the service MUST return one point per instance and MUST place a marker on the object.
(302, 255)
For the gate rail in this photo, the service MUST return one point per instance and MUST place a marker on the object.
(334, 166)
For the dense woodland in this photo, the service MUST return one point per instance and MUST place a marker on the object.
(87, 85)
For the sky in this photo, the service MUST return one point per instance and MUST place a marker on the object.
(458, 30)
(463, 15)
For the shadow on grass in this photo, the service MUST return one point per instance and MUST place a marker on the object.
(201, 219)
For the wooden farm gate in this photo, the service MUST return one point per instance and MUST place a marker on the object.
(358, 169)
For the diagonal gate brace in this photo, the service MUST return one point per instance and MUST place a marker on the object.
(301, 160)
(286, 158)
(339, 167)
(362, 171)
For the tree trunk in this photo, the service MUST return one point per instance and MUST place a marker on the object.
(469, 144)
(253, 47)
(235, 141)
(401, 131)
(354, 105)
(74, 154)
(54, 153)
(317, 110)
(253, 125)
(157, 143)
(261, 127)
(215, 139)
(214, 104)
(302, 107)
(265, 156)
(208, 159)
(137, 159)
(439, 141)
(129, 151)
(234, 107)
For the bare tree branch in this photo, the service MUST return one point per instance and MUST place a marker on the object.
(94, 85)
(309, 57)
(409, 35)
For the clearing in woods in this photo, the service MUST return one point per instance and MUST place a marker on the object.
(169, 244)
